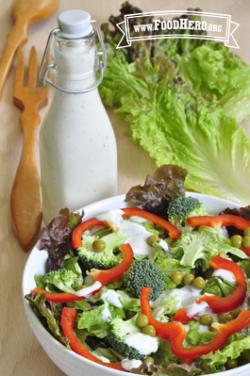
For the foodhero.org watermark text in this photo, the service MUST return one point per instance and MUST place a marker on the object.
(177, 24)
(182, 24)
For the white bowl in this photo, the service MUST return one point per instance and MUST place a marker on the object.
(69, 362)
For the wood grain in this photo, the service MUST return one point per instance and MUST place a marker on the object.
(24, 13)
(20, 354)
(26, 200)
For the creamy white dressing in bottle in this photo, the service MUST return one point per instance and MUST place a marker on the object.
(77, 143)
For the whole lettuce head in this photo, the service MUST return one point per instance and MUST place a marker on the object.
(185, 101)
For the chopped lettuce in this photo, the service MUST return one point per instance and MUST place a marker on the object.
(44, 311)
(164, 355)
(219, 287)
(93, 322)
(128, 303)
(167, 266)
(231, 351)
(56, 238)
(165, 306)
(195, 336)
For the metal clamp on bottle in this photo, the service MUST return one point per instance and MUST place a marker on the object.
(67, 29)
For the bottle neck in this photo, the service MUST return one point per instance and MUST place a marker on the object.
(75, 61)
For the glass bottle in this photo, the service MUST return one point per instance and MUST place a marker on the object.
(78, 152)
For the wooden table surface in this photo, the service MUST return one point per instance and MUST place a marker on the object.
(20, 354)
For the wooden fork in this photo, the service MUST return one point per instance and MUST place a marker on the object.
(26, 203)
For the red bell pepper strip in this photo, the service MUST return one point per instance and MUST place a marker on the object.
(103, 276)
(182, 316)
(224, 331)
(176, 334)
(236, 297)
(173, 231)
(68, 319)
(76, 239)
(167, 330)
(246, 250)
(216, 303)
(58, 297)
(219, 220)
(112, 274)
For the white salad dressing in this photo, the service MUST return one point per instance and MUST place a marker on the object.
(136, 235)
(202, 329)
(185, 297)
(143, 343)
(77, 144)
(164, 245)
(109, 297)
(135, 218)
(106, 314)
(86, 291)
(224, 274)
(223, 231)
(129, 364)
(101, 357)
(198, 309)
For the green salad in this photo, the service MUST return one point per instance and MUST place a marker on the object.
(157, 288)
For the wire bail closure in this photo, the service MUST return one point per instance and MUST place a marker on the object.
(46, 68)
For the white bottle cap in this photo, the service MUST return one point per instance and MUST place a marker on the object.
(75, 23)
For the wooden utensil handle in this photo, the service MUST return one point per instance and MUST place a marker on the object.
(16, 37)
(26, 204)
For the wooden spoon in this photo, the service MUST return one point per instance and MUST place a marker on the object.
(26, 204)
(24, 13)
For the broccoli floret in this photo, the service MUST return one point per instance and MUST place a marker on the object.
(67, 279)
(118, 332)
(105, 259)
(64, 280)
(144, 273)
(183, 207)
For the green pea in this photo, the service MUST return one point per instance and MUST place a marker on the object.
(177, 277)
(247, 231)
(236, 241)
(149, 330)
(149, 360)
(246, 241)
(225, 317)
(188, 279)
(98, 245)
(206, 320)
(231, 363)
(151, 240)
(199, 283)
(141, 320)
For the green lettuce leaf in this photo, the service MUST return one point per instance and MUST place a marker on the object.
(188, 117)
(195, 336)
(231, 351)
(219, 287)
(167, 266)
(165, 306)
(164, 355)
(93, 322)
(48, 315)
